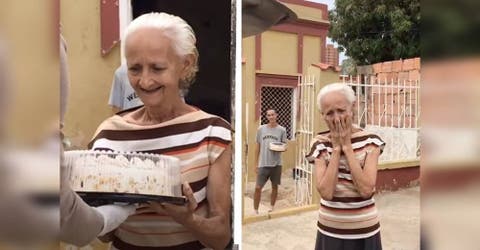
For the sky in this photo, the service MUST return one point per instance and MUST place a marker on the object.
(331, 5)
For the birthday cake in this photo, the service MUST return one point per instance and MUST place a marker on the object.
(123, 173)
(278, 146)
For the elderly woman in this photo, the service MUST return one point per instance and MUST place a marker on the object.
(345, 159)
(162, 61)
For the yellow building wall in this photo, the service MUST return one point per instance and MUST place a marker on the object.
(249, 121)
(288, 157)
(307, 13)
(27, 30)
(90, 74)
(311, 50)
(279, 52)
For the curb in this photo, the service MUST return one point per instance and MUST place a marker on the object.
(279, 214)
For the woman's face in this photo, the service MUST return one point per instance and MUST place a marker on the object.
(335, 106)
(154, 69)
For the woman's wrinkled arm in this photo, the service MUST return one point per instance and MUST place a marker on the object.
(213, 231)
(326, 177)
(364, 179)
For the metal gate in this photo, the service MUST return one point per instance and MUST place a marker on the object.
(390, 108)
(303, 171)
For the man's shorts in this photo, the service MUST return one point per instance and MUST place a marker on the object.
(272, 173)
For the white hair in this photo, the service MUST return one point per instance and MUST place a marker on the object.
(177, 30)
(343, 88)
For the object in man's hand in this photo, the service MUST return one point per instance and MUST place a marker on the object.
(278, 146)
(101, 177)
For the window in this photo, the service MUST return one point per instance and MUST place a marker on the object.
(282, 99)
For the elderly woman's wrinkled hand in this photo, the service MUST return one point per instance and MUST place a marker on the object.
(334, 133)
(180, 213)
(345, 131)
(340, 131)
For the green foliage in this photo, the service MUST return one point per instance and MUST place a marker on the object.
(376, 31)
(450, 29)
(349, 67)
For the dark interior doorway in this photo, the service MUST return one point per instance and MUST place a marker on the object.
(210, 20)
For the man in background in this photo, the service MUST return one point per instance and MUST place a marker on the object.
(122, 95)
(269, 165)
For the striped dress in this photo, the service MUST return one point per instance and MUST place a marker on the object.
(347, 215)
(197, 139)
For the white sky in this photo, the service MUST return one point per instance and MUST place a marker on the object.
(331, 5)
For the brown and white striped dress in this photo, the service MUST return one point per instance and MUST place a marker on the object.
(347, 215)
(197, 139)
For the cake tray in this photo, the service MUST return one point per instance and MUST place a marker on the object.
(45, 199)
(102, 198)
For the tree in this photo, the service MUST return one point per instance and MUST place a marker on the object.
(349, 67)
(376, 31)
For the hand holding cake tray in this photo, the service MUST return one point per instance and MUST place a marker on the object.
(103, 177)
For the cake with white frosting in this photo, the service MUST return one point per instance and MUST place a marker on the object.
(131, 173)
(277, 146)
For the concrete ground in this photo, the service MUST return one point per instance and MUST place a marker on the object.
(399, 220)
(285, 197)
(399, 215)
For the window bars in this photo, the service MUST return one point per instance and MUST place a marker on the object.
(282, 100)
